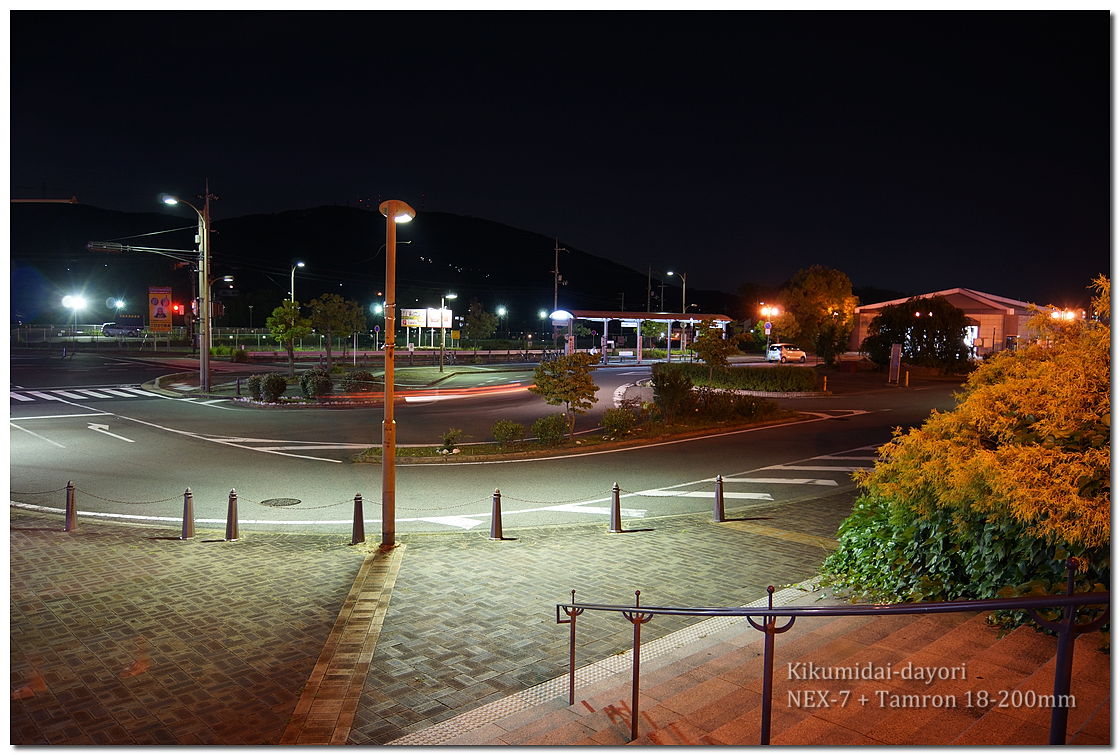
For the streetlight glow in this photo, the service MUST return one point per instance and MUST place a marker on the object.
(442, 329)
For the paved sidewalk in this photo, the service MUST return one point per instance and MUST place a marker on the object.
(126, 635)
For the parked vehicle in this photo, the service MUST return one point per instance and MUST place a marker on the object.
(115, 330)
(784, 352)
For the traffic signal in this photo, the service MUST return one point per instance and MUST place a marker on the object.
(177, 309)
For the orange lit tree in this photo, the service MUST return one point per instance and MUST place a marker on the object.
(994, 495)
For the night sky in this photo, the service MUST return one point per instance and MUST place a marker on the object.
(915, 151)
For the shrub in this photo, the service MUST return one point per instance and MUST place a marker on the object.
(717, 405)
(506, 431)
(240, 355)
(779, 378)
(672, 390)
(273, 386)
(315, 382)
(357, 381)
(551, 430)
(253, 385)
(618, 421)
(451, 440)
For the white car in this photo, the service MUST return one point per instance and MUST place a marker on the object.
(112, 329)
(784, 352)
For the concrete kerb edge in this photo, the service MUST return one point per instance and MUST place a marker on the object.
(616, 665)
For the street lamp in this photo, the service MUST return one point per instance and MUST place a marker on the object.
(292, 285)
(203, 284)
(684, 285)
(74, 303)
(442, 329)
(501, 315)
(768, 312)
(395, 211)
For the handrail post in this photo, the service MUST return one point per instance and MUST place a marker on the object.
(71, 507)
(358, 532)
(1063, 667)
(231, 517)
(188, 515)
(717, 507)
(616, 510)
(496, 516)
(636, 618)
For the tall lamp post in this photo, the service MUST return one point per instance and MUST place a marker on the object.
(292, 285)
(203, 283)
(768, 312)
(442, 329)
(395, 211)
(684, 309)
(502, 311)
(74, 303)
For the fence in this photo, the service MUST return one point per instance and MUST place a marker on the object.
(765, 620)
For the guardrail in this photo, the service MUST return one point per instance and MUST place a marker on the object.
(765, 620)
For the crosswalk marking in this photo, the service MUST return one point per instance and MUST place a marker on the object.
(84, 394)
(88, 392)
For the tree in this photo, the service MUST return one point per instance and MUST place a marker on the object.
(931, 332)
(567, 381)
(286, 325)
(995, 493)
(821, 302)
(713, 347)
(331, 315)
(479, 324)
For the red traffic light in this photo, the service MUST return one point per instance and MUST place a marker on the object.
(177, 309)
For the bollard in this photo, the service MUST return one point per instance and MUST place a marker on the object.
(71, 508)
(825, 388)
(496, 517)
(359, 532)
(239, 386)
(231, 517)
(188, 515)
(717, 507)
(906, 384)
(616, 510)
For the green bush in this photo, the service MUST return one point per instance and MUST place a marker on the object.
(889, 553)
(718, 405)
(451, 440)
(779, 378)
(506, 431)
(618, 421)
(253, 385)
(240, 355)
(315, 382)
(357, 381)
(551, 430)
(273, 386)
(672, 390)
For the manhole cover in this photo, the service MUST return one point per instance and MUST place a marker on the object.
(280, 502)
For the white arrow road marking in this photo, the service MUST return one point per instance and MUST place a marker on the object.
(104, 429)
(778, 480)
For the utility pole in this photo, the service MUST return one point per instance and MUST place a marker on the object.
(649, 287)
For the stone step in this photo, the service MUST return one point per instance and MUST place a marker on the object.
(712, 693)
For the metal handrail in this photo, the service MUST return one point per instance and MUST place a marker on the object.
(637, 614)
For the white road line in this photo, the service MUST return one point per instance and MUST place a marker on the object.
(19, 397)
(778, 480)
(47, 396)
(806, 468)
(849, 458)
(64, 416)
(68, 394)
(461, 522)
(116, 392)
(37, 435)
(88, 392)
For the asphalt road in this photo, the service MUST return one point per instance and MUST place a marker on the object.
(131, 456)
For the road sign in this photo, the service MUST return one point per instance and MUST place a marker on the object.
(768, 328)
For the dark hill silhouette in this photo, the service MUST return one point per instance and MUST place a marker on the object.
(343, 248)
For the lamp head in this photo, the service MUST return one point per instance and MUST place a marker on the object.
(301, 264)
(169, 200)
(398, 210)
(452, 296)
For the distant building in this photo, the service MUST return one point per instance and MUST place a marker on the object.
(994, 322)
